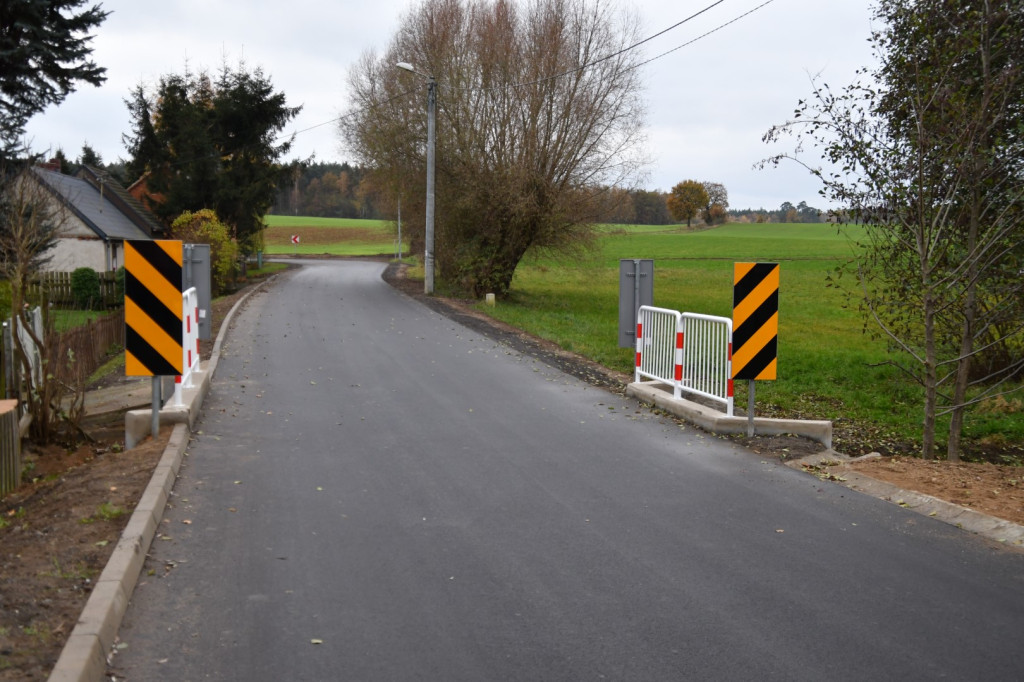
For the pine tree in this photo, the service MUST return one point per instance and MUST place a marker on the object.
(45, 51)
(212, 144)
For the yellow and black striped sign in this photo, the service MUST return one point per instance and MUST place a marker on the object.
(755, 320)
(152, 308)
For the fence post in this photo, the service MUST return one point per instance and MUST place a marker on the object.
(10, 447)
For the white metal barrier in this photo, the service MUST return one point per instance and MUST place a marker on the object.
(705, 367)
(190, 342)
(656, 331)
(688, 351)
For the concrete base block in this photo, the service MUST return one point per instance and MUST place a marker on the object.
(714, 421)
(138, 423)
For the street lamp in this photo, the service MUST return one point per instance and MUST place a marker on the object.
(428, 256)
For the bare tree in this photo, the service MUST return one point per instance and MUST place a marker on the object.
(539, 110)
(30, 219)
(927, 153)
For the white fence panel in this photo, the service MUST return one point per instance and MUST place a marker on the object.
(706, 364)
(688, 351)
(656, 330)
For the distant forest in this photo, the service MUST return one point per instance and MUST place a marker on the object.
(341, 190)
(328, 190)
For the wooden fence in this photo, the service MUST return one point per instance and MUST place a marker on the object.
(78, 353)
(10, 447)
(56, 288)
(89, 346)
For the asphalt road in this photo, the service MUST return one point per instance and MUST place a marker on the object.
(376, 493)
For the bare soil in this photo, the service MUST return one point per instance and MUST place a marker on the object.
(313, 235)
(58, 530)
(988, 488)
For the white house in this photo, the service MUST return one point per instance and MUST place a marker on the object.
(99, 217)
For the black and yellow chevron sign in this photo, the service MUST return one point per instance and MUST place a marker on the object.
(755, 321)
(152, 308)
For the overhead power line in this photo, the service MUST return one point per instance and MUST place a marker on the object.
(613, 55)
(583, 67)
(705, 35)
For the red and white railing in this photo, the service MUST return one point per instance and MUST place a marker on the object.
(690, 352)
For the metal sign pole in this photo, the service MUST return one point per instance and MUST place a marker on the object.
(636, 287)
(155, 424)
(750, 409)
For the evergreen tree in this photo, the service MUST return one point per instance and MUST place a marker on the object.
(45, 48)
(212, 144)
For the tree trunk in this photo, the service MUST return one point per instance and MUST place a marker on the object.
(930, 379)
(970, 308)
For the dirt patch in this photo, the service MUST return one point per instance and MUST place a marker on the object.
(57, 532)
(311, 235)
(988, 488)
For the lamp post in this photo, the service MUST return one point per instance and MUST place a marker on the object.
(428, 255)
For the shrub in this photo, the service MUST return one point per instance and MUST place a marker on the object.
(85, 288)
(5, 299)
(204, 227)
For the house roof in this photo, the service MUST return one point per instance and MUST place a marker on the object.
(123, 199)
(92, 206)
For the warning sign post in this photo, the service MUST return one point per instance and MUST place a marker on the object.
(153, 313)
(755, 327)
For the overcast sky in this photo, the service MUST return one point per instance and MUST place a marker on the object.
(709, 103)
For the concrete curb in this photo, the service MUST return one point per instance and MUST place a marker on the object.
(717, 422)
(84, 656)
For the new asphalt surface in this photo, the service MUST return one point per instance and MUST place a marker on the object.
(377, 493)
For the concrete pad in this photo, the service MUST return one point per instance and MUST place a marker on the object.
(139, 423)
(714, 421)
